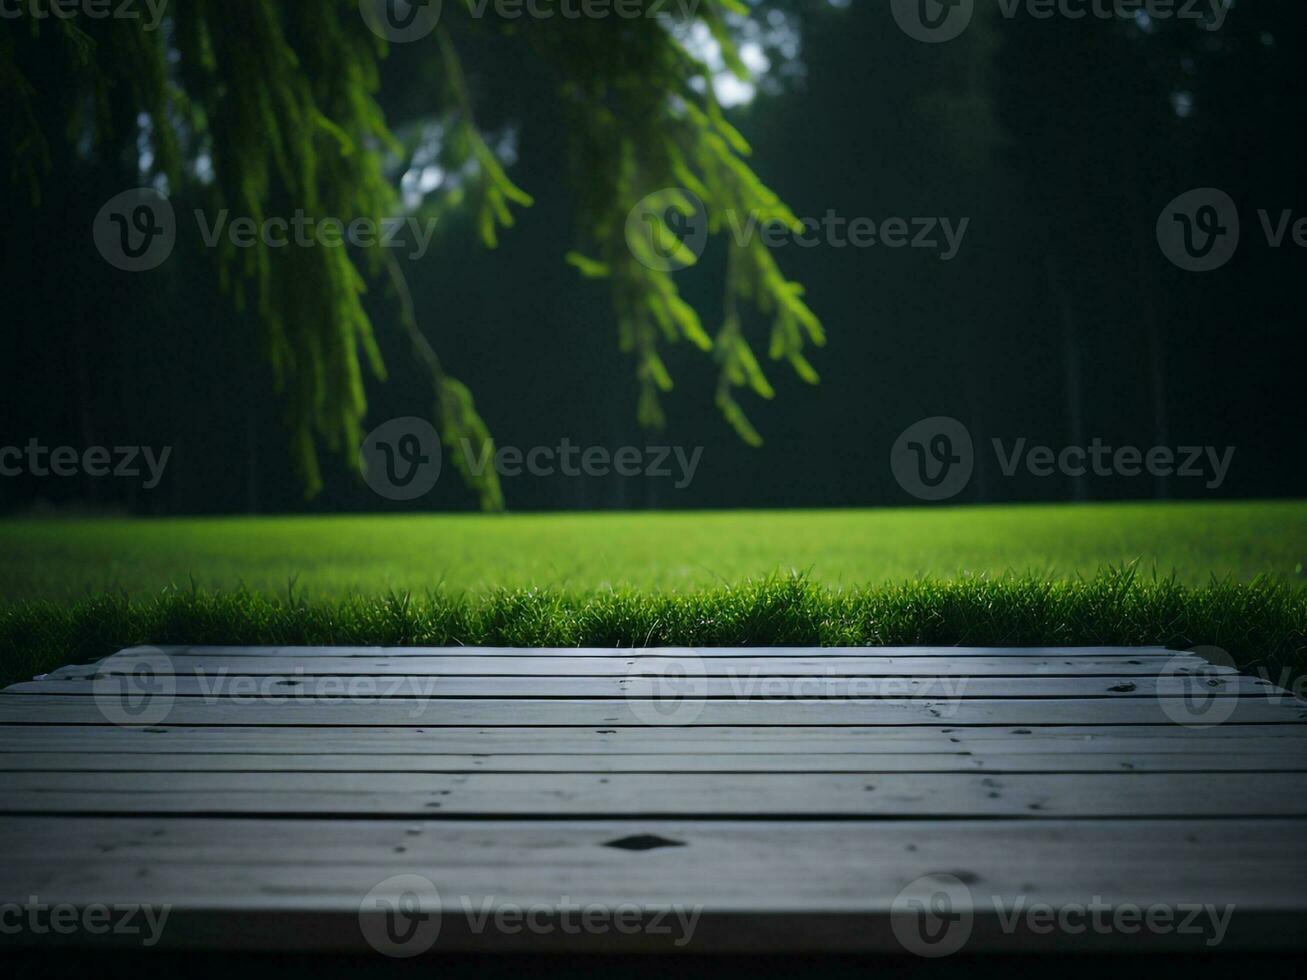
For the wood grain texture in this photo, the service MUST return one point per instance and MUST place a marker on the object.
(759, 886)
(740, 687)
(790, 795)
(1071, 760)
(649, 794)
(498, 712)
(642, 739)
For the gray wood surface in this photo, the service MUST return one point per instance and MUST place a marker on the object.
(739, 795)
(800, 792)
(274, 688)
(500, 712)
(605, 762)
(759, 885)
(489, 741)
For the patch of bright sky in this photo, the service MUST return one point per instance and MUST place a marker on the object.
(768, 46)
(425, 175)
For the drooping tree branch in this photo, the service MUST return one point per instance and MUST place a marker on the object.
(259, 107)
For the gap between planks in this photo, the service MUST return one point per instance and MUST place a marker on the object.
(749, 687)
(888, 795)
(544, 666)
(414, 651)
(738, 762)
(40, 709)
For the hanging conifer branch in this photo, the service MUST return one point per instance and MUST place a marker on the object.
(461, 428)
(279, 100)
(497, 191)
(684, 143)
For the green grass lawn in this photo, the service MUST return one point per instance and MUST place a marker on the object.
(334, 556)
(1227, 575)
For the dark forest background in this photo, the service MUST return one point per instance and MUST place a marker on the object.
(1059, 321)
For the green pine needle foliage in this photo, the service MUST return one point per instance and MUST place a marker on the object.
(280, 100)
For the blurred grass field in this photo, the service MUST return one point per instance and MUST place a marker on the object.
(1180, 575)
(326, 557)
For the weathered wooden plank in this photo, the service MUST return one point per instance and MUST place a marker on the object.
(890, 794)
(361, 712)
(1280, 739)
(537, 666)
(758, 886)
(792, 762)
(744, 686)
(834, 854)
(1037, 766)
(923, 651)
